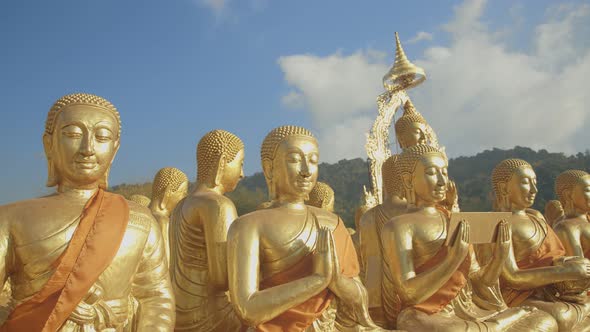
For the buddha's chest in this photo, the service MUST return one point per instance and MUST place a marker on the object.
(527, 236)
(282, 247)
(35, 259)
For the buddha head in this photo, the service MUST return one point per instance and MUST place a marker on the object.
(392, 184)
(410, 128)
(553, 211)
(290, 157)
(573, 190)
(423, 171)
(81, 139)
(515, 185)
(321, 196)
(140, 199)
(220, 160)
(170, 185)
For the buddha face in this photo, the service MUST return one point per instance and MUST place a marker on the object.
(522, 188)
(581, 195)
(414, 135)
(233, 172)
(430, 178)
(295, 168)
(83, 145)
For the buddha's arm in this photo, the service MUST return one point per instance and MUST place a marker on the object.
(151, 286)
(251, 304)
(416, 288)
(216, 225)
(536, 277)
(570, 238)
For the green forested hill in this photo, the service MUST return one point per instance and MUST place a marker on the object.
(472, 175)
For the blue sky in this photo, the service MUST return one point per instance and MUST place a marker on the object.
(179, 68)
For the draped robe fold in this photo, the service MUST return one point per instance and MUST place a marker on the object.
(93, 246)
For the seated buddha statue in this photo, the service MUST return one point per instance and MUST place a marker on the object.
(198, 236)
(82, 259)
(443, 288)
(288, 261)
(573, 228)
(382, 301)
(538, 259)
(170, 185)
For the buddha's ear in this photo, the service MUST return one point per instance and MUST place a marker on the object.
(568, 194)
(165, 198)
(503, 188)
(47, 144)
(267, 168)
(407, 180)
(220, 168)
(48, 147)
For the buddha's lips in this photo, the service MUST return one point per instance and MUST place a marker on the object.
(86, 164)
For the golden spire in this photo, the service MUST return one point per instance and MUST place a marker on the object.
(403, 74)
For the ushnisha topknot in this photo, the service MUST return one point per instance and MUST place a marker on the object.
(567, 180)
(211, 147)
(276, 136)
(320, 195)
(167, 179)
(504, 170)
(78, 99)
(407, 160)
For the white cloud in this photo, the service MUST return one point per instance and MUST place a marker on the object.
(420, 36)
(479, 93)
(339, 91)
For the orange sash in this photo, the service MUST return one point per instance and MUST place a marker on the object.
(302, 316)
(550, 248)
(93, 246)
(450, 289)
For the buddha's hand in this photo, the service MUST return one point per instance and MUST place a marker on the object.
(503, 240)
(323, 263)
(460, 246)
(577, 267)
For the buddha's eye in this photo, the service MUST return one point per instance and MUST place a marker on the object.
(314, 158)
(103, 135)
(72, 132)
(293, 158)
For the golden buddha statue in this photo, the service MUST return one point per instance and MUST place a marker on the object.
(443, 288)
(170, 185)
(537, 261)
(140, 199)
(198, 235)
(82, 259)
(288, 261)
(382, 300)
(321, 196)
(410, 128)
(573, 229)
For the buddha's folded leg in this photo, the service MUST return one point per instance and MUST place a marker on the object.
(569, 316)
(415, 320)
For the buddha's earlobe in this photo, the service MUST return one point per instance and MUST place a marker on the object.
(219, 171)
(51, 174)
(409, 189)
